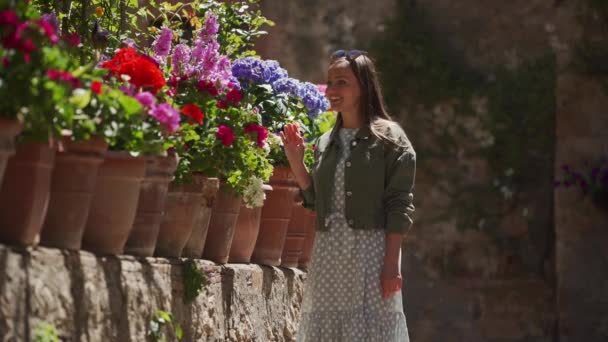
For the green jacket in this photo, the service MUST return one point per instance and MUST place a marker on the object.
(379, 180)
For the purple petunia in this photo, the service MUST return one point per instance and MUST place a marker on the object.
(146, 99)
(166, 115)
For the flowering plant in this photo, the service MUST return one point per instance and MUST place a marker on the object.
(140, 77)
(592, 180)
(33, 61)
(220, 135)
(278, 98)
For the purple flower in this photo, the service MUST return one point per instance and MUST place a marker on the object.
(273, 71)
(128, 42)
(181, 55)
(287, 86)
(51, 19)
(146, 99)
(249, 69)
(166, 115)
(211, 26)
(313, 99)
(162, 44)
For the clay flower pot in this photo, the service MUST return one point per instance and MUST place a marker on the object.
(196, 242)
(276, 214)
(309, 240)
(182, 209)
(151, 205)
(114, 203)
(296, 235)
(246, 233)
(9, 128)
(221, 228)
(72, 184)
(24, 195)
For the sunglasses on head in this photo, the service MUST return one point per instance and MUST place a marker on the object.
(350, 55)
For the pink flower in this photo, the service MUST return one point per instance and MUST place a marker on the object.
(221, 104)
(261, 132)
(208, 86)
(162, 44)
(8, 18)
(225, 134)
(166, 115)
(234, 96)
(72, 39)
(49, 31)
(146, 99)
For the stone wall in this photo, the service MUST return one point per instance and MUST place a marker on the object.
(90, 298)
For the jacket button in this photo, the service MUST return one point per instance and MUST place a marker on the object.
(348, 193)
(351, 222)
(348, 164)
(354, 143)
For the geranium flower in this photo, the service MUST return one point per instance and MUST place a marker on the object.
(193, 112)
(261, 133)
(143, 73)
(208, 86)
(233, 96)
(96, 87)
(225, 134)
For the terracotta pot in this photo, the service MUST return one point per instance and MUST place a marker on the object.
(72, 185)
(296, 234)
(182, 210)
(276, 214)
(309, 240)
(221, 228)
(9, 128)
(114, 203)
(151, 205)
(196, 242)
(24, 195)
(246, 233)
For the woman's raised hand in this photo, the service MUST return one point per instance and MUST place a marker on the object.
(293, 144)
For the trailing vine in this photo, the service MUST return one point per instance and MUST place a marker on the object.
(194, 281)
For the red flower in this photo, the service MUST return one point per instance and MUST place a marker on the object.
(234, 96)
(193, 112)
(225, 134)
(71, 38)
(58, 75)
(96, 87)
(222, 104)
(313, 147)
(208, 86)
(142, 70)
(261, 131)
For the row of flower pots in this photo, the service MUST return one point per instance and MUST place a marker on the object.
(79, 195)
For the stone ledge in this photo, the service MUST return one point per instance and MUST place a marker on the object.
(93, 298)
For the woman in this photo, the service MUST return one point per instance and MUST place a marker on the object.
(361, 189)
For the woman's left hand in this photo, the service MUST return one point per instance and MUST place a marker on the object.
(390, 279)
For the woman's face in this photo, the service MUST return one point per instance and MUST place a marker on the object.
(343, 90)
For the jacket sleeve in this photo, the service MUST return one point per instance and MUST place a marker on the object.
(399, 190)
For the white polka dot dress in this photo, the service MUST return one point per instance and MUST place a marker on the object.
(343, 299)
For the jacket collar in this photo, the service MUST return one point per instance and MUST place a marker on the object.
(363, 132)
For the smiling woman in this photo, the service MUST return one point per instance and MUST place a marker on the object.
(360, 186)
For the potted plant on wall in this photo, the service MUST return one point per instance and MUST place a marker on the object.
(279, 100)
(142, 130)
(34, 85)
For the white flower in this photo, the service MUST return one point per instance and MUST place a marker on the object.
(254, 194)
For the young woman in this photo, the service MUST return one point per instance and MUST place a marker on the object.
(361, 189)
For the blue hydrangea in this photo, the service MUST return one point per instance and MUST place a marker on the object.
(249, 69)
(313, 99)
(273, 72)
(287, 85)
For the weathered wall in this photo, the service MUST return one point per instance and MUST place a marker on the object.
(523, 278)
(89, 298)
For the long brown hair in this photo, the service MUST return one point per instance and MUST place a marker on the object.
(372, 101)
